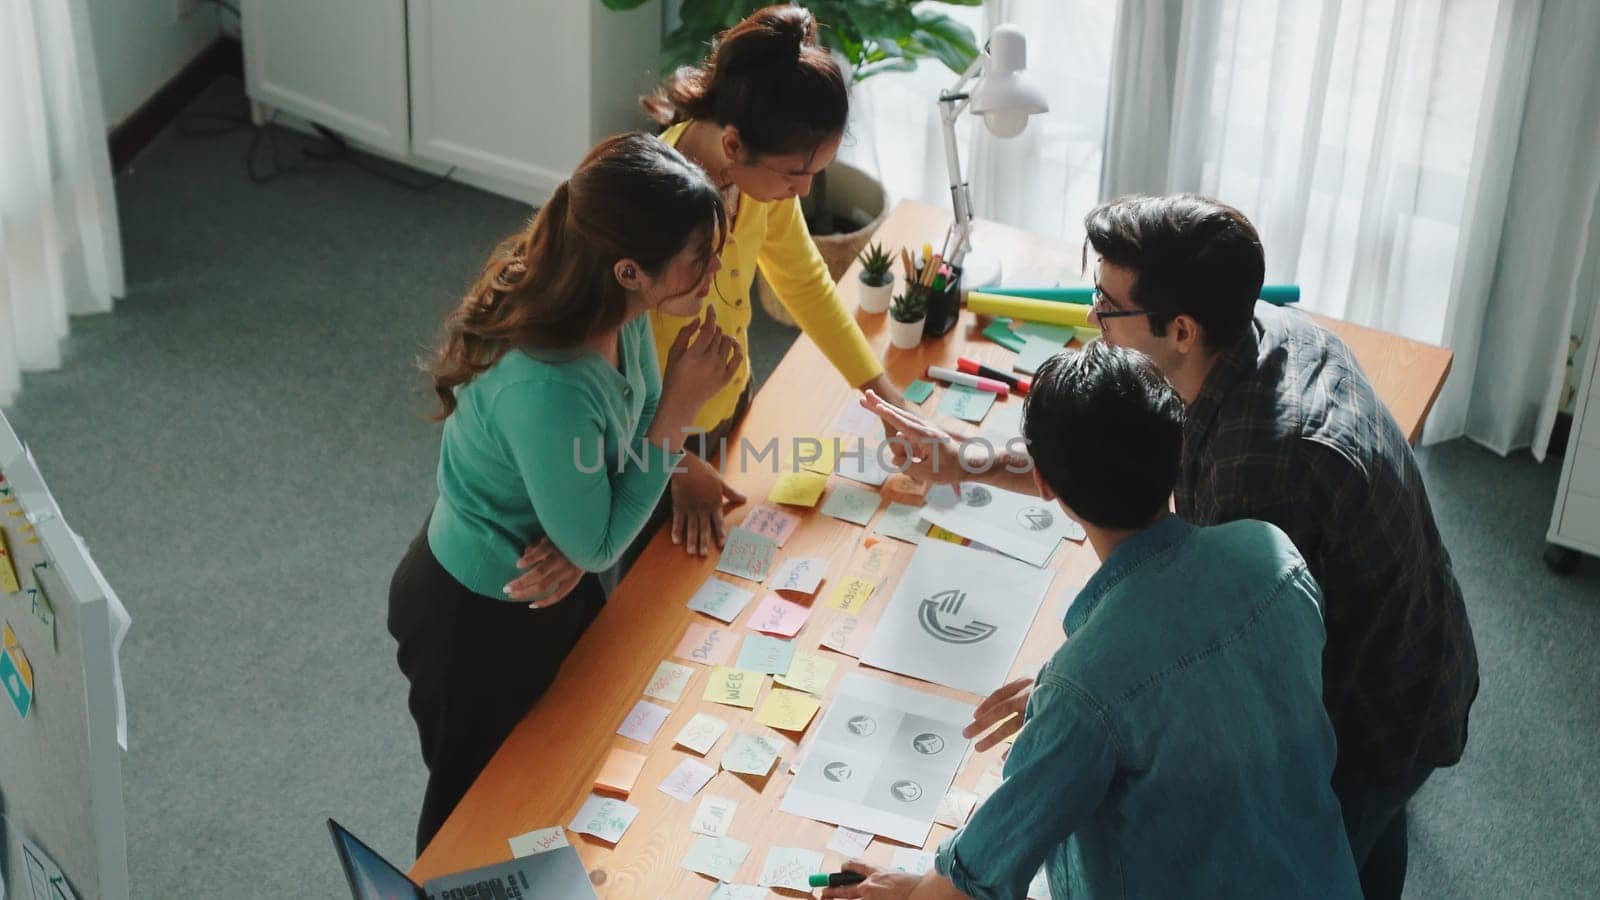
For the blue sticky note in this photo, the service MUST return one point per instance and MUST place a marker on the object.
(851, 504)
(720, 600)
(1034, 353)
(747, 555)
(761, 653)
(968, 404)
(919, 390)
(1055, 334)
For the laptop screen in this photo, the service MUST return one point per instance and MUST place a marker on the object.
(371, 876)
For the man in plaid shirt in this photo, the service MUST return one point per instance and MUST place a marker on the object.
(1282, 426)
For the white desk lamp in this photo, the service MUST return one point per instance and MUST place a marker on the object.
(1005, 100)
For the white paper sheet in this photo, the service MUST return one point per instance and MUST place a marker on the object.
(1018, 525)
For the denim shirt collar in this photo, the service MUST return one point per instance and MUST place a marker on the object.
(1128, 555)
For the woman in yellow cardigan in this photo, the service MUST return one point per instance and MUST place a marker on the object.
(763, 116)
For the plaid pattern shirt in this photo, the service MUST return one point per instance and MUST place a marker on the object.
(1287, 430)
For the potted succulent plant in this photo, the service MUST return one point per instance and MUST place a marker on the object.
(877, 279)
(905, 319)
(870, 37)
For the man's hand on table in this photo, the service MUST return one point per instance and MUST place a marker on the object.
(929, 452)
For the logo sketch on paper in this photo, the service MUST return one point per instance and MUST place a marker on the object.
(975, 495)
(861, 726)
(928, 743)
(837, 771)
(906, 791)
(949, 603)
(1036, 518)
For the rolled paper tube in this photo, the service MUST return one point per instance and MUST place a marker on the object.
(1028, 309)
(1276, 294)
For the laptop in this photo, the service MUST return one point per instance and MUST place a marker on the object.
(552, 875)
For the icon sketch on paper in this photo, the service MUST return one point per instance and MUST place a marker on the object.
(906, 790)
(1036, 518)
(862, 726)
(838, 772)
(949, 603)
(975, 495)
(928, 743)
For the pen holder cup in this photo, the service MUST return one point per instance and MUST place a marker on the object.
(944, 306)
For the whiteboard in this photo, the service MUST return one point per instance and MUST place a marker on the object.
(61, 764)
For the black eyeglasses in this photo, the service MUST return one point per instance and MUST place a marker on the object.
(1102, 309)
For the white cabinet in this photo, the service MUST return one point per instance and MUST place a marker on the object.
(1575, 524)
(510, 92)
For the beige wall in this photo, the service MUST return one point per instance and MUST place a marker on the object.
(140, 44)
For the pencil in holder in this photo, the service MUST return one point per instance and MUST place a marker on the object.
(944, 304)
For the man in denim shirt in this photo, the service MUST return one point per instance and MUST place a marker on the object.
(1176, 744)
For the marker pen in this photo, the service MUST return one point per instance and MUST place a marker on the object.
(973, 367)
(972, 381)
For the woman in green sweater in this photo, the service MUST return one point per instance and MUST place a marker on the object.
(560, 432)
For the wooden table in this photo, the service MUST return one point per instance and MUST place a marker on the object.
(546, 768)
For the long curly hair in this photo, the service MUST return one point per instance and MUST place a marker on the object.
(551, 285)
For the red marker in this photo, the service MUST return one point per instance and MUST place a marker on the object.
(973, 367)
(972, 381)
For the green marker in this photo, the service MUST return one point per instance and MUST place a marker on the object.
(835, 879)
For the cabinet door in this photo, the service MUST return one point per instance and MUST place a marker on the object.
(338, 63)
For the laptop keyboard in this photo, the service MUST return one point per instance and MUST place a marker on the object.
(487, 889)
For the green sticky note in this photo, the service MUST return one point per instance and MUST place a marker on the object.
(965, 403)
(1055, 334)
(1034, 353)
(852, 504)
(919, 390)
(1004, 336)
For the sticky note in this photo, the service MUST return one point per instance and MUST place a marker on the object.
(719, 857)
(848, 842)
(538, 841)
(734, 687)
(903, 522)
(686, 780)
(850, 503)
(18, 685)
(787, 710)
(8, 569)
(870, 464)
(705, 645)
(956, 807)
(669, 681)
(847, 635)
(798, 488)
(701, 733)
(968, 404)
(942, 534)
(750, 754)
(604, 817)
(916, 862)
(770, 522)
(919, 390)
(790, 867)
(850, 596)
(720, 599)
(801, 574)
(1058, 335)
(857, 419)
(643, 721)
(769, 655)
(809, 672)
(778, 616)
(714, 816)
(814, 454)
(620, 771)
(1000, 332)
(1033, 355)
(747, 555)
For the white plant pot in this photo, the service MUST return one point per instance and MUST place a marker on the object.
(905, 335)
(875, 297)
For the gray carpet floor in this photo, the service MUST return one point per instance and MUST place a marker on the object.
(243, 445)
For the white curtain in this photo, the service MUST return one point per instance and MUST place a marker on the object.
(1045, 179)
(60, 248)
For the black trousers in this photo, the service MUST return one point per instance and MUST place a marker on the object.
(476, 666)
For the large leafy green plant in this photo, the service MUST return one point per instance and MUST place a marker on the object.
(874, 36)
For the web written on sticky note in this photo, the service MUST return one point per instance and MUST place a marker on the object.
(705, 645)
(787, 710)
(851, 595)
(778, 616)
(747, 555)
(734, 687)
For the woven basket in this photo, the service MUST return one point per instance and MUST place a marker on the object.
(851, 193)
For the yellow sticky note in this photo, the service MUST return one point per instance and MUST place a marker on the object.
(817, 454)
(788, 710)
(935, 531)
(809, 672)
(733, 687)
(620, 771)
(8, 567)
(798, 488)
(851, 595)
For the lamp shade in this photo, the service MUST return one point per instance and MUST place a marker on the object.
(1004, 97)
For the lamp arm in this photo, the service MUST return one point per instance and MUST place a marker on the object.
(952, 103)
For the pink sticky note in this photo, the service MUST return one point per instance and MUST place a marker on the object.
(847, 635)
(769, 521)
(705, 645)
(778, 616)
